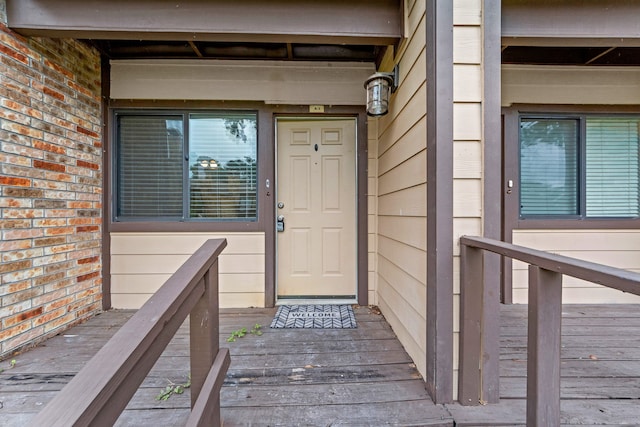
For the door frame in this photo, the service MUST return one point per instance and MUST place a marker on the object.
(302, 112)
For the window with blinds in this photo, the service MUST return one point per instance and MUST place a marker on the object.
(582, 166)
(149, 163)
(223, 169)
(612, 167)
(186, 166)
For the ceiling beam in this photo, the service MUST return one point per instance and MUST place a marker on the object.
(600, 55)
(377, 22)
(195, 48)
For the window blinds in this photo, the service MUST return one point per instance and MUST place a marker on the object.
(612, 167)
(149, 162)
(223, 173)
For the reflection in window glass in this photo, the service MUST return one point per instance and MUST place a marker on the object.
(183, 166)
(222, 166)
(548, 167)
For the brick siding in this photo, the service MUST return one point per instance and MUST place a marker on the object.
(50, 187)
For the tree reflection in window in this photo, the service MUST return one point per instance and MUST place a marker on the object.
(223, 169)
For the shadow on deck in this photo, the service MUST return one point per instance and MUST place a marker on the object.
(361, 377)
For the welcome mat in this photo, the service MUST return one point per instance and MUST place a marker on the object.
(320, 316)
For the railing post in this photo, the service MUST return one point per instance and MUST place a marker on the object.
(543, 347)
(471, 290)
(204, 336)
(490, 367)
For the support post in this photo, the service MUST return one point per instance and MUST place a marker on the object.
(203, 331)
(439, 257)
(543, 347)
(491, 226)
(471, 290)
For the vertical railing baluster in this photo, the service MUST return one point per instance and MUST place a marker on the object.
(543, 347)
(204, 336)
(471, 290)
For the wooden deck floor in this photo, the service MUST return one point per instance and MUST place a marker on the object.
(600, 369)
(348, 377)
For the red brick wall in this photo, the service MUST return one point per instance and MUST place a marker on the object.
(50, 187)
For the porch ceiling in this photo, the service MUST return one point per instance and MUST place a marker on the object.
(349, 30)
(155, 49)
(570, 32)
(572, 55)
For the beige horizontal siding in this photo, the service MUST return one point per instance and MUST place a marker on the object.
(412, 112)
(467, 160)
(467, 121)
(372, 208)
(149, 283)
(617, 248)
(468, 198)
(409, 230)
(580, 296)
(570, 85)
(183, 243)
(407, 146)
(467, 44)
(274, 82)
(467, 12)
(406, 202)
(467, 83)
(168, 264)
(409, 174)
(401, 194)
(142, 262)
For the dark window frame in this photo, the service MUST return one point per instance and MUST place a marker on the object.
(183, 224)
(511, 168)
(580, 199)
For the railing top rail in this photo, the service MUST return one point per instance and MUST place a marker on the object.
(120, 359)
(616, 278)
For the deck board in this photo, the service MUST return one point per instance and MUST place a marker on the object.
(283, 377)
(358, 376)
(600, 368)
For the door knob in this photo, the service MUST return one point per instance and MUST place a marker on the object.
(280, 223)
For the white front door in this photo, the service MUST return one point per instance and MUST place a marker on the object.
(316, 200)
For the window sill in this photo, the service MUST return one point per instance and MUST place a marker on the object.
(578, 224)
(186, 227)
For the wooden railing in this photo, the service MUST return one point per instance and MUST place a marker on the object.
(98, 394)
(480, 311)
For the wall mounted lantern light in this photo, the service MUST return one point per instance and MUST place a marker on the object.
(379, 88)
